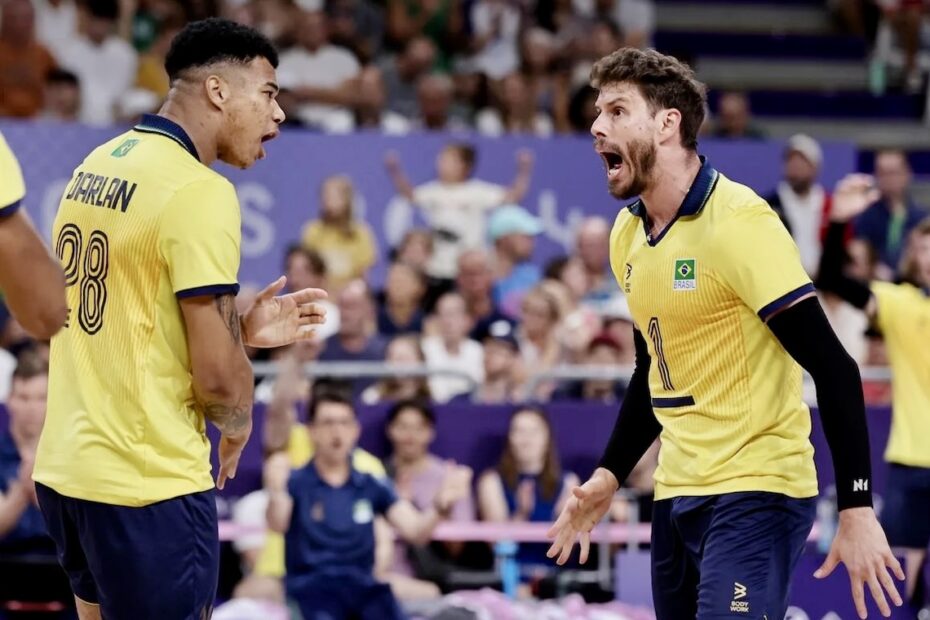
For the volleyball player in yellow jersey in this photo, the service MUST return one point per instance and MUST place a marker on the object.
(901, 311)
(721, 304)
(149, 238)
(30, 279)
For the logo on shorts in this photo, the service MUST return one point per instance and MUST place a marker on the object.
(737, 604)
(123, 149)
(684, 279)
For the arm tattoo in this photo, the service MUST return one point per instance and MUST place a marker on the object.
(226, 306)
(230, 419)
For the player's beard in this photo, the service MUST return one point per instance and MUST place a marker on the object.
(640, 162)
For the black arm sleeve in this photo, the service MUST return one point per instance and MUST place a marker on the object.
(636, 427)
(831, 277)
(807, 336)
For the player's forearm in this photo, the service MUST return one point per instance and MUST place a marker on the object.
(806, 335)
(280, 507)
(637, 427)
(831, 277)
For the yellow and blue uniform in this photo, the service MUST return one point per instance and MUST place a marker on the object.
(142, 224)
(330, 546)
(12, 189)
(727, 395)
(904, 320)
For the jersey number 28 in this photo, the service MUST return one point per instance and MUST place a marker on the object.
(86, 267)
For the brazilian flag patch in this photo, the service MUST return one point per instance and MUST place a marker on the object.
(123, 149)
(685, 275)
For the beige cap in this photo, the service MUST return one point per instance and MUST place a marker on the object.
(806, 146)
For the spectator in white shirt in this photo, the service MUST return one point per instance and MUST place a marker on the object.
(452, 349)
(104, 63)
(56, 23)
(495, 37)
(319, 75)
(515, 113)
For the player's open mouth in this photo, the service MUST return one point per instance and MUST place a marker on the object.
(613, 162)
(271, 135)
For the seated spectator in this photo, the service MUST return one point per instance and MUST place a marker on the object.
(455, 203)
(319, 74)
(415, 249)
(512, 230)
(599, 38)
(567, 282)
(548, 83)
(24, 62)
(400, 310)
(441, 21)
(515, 112)
(418, 476)
(451, 349)
(528, 484)
(734, 119)
(403, 351)
(474, 283)
(327, 511)
(151, 75)
(592, 246)
(538, 335)
(357, 338)
(345, 242)
(371, 101)
(604, 352)
(618, 324)
(62, 100)
(800, 201)
(104, 63)
(435, 105)
(305, 268)
(494, 38)
(885, 226)
(357, 25)
(402, 72)
(503, 368)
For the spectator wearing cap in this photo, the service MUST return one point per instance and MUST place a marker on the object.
(603, 352)
(503, 368)
(452, 349)
(801, 202)
(104, 63)
(513, 229)
(474, 282)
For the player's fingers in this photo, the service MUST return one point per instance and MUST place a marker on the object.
(858, 597)
(580, 492)
(272, 289)
(566, 551)
(828, 565)
(566, 537)
(305, 332)
(888, 583)
(892, 563)
(585, 547)
(308, 295)
(559, 524)
(221, 478)
(876, 589)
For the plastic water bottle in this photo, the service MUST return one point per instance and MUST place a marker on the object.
(826, 520)
(506, 552)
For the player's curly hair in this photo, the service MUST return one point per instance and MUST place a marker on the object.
(664, 81)
(215, 40)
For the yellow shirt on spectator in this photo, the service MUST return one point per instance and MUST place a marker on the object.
(347, 254)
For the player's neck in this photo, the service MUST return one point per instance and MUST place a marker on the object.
(672, 178)
(202, 137)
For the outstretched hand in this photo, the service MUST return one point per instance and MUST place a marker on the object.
(583, 510)
(853, 194)
(278, 320)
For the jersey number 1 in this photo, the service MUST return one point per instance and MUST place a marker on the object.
(92, 279)
(656, 336)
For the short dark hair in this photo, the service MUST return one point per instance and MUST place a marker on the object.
(338, 392)
(664, 81)
(417, 405)
(30, 364)
(214, 40)
(61, 76)
(466, 152)
(555, 268)
(317, 264)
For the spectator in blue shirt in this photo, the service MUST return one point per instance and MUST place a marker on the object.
(357, 339)
(886, 225)
(327, 511)
(513, 230)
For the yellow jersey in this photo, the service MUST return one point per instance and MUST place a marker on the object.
(904, 320)
(142, 223)
(726, 393)
(12, 188)
(270, 562)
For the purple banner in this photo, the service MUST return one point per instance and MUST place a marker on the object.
(279, 194)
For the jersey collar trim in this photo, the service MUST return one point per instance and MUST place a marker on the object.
(152, 123)
(697, 197)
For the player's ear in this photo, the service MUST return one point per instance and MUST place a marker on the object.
(217, 90)
(669, 121)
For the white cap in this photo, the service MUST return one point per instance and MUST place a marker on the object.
(807, 147)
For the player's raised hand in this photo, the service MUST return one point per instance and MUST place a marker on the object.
(278, 320)
(861, 545)
(583, 510)
(853, 195)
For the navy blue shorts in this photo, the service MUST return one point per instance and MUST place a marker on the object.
(907, 495)
(342, 596)
(727, 556)
(155, 562)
